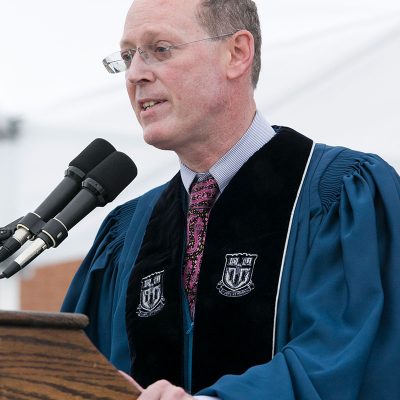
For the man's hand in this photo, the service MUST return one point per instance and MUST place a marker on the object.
(160, 390)
(163, 390)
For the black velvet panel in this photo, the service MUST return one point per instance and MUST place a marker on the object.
(156, 342)
(252, 215)
(233, 328)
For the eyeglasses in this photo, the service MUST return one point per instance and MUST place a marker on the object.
(150, 53)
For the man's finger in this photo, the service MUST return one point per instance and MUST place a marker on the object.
(131, 380)
(164, 390)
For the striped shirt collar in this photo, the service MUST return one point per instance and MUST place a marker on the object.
(259, 133)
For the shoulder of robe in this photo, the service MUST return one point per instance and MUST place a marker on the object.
(334, 165)
(119, 219)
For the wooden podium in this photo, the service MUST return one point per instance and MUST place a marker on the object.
(47, 356)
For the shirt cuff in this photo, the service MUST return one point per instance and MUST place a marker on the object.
(205, 398)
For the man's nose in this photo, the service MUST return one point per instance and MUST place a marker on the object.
(139, 72)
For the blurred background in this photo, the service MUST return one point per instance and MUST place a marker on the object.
(330, 70)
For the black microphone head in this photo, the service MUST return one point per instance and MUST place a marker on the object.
(114, 174)
(92, 155)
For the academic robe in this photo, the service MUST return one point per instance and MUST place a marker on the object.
(338, 310)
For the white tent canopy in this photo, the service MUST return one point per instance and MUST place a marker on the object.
(330, 70)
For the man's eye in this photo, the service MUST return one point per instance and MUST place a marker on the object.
(160, 49)
(127, 56)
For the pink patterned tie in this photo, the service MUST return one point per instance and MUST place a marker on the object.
(202, 198)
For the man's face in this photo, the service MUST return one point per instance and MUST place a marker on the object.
(188, 88)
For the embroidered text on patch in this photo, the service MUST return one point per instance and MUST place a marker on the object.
(151, 295)
(236, 278)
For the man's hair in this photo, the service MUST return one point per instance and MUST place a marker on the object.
(219, 17)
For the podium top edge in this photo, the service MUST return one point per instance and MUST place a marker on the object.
(43, 319)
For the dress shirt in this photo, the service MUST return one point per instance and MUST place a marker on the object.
(259, 133)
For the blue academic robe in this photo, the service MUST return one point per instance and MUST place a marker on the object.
(338, 314)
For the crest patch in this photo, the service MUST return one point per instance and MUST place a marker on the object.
(236, 278)
(152, 299)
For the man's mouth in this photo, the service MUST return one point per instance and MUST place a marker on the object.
(150, 104)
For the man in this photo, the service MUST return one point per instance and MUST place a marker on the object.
(268, 267)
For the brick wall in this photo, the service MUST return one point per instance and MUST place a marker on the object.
(44, 289)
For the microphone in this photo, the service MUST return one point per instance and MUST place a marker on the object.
(102, 185)
(31, 224)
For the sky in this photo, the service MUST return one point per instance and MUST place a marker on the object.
(51, 50)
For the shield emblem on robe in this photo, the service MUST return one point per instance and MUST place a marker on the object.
(151, 295)
(236, 278)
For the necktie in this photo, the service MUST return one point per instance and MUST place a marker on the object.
(202, 198)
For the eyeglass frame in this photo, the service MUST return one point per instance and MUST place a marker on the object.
(144, 53)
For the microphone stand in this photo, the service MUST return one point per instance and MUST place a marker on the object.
(8, 230)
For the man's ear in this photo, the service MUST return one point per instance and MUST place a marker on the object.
(241, 54)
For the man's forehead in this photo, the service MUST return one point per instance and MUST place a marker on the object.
(166, 8)
(147, 17)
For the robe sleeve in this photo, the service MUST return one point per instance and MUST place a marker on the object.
(94, 288)
(339, 307)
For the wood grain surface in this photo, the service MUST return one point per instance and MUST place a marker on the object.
(43, 319)
(52, 362)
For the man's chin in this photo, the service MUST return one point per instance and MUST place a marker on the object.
(158, 141)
